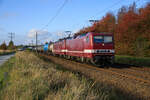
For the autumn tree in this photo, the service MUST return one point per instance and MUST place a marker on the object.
(131, 28)
(127, 30)
(3, 46)
(106, 24)
(83, 30)
(144, 25)
(11, 45)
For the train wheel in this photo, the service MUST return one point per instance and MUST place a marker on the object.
(87, 60)
(68, 57)
(72, 58)
(78, 59)
(64, 56)
(82, 59)
(112, 62)
(54, 54)
(96, 63)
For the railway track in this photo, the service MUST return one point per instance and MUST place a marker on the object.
(130, 79)
(142, 69)
(126, 75)
(134, 73)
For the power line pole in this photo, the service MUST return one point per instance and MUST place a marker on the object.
(36, 37)
(32, 42)
(11, 36)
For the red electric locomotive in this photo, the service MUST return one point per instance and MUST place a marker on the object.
(98, 48)
(59, 48)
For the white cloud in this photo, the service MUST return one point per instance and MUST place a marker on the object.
(61, 34)
(32, 32)
(48, 39)
(75, 30)
(58, 34)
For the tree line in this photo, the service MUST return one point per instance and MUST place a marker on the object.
(131, 29)
(10, 46)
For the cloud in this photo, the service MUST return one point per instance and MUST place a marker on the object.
(32, 32)
(7, 15)
(48, 39)
(75, 30)
(60, 34)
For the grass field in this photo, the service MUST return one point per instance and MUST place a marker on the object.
(30, 78)
(137, 61)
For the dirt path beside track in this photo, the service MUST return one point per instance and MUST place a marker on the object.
(132, 81)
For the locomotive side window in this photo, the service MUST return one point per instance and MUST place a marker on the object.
(107, 39)
(98, 39)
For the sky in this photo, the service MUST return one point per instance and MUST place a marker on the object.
(26, 17)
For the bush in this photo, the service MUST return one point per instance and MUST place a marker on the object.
(3, 46)
(137, 61)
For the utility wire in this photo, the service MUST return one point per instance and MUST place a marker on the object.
(60, 9)
(57, 13)
(112, 7)
(54, 17)
(102, 11)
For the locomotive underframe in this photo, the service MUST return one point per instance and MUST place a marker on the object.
(102, 59)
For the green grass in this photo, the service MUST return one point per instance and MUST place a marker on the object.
(31, 78)
(4, 71)
(137, 61)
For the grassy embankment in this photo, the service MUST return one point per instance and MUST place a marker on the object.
(137, 61)
(6, 52)
(29, 77)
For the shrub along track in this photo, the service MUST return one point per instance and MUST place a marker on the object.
(132, 81)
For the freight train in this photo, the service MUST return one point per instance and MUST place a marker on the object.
(95, 48)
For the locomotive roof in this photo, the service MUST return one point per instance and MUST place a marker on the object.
(82, 35)
(102, 33)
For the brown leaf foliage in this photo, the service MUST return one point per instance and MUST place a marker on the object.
(131, 28)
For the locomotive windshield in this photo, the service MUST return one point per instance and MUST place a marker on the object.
(102, 39)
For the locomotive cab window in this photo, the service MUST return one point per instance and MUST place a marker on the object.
(102, 39)
(98, 39)
(107, 39)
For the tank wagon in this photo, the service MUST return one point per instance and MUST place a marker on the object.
(97, 48)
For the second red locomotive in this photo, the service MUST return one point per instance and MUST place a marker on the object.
(97, 48)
